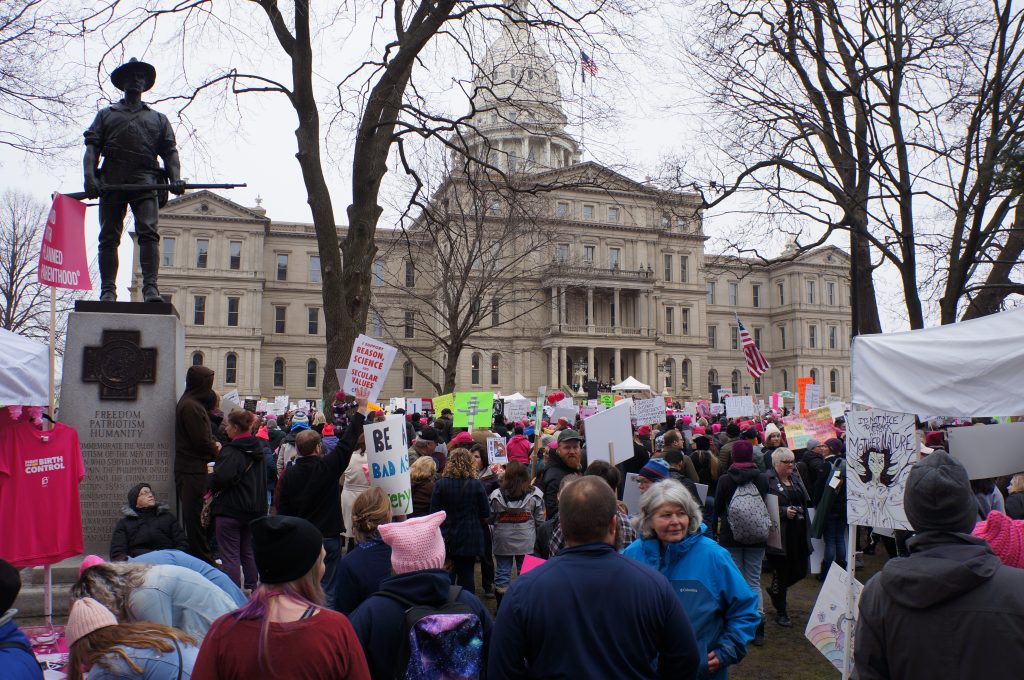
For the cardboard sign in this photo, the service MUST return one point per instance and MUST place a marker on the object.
(739, 407)
(836, 409)
(567, 412)
(631, 493)
(610, 429)
(368, 366)
(281, 403)
(445, 401)
(496, 452)
(414, 405)
(62, 260)
(717, 409)
(650, 411)
(988, 450)
(473, 410)
(813, 395)
(587, 411)
(831, 625)
(387, 457)
(251, 405)
(881, 446)
(801, 393)
(517, 410)
(776, 402)
(702, 493)
(607, 400)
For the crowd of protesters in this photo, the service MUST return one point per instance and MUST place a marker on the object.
(302, 570)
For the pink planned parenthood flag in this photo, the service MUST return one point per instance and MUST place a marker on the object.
(62, 260)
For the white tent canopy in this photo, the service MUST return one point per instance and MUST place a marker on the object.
(24, 371)
(513, 397)
(631, 384)
(968, 369)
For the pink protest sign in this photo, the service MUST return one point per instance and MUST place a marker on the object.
(531, 562)
(62, 260)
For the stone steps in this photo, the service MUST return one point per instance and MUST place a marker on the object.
(31, 599)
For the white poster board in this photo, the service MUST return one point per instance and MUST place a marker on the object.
(567, 412)
(690, 408)
(610, 428)
(812, 393)
(387, 456)
(516, 410)
(817, 545)
(631, 493)
(723, 393)
(771, 501)
(496, 452)
(702, 493)
(414, 405)
(281, 404)
(739, 407)
(831, 624)
(717, 409)
(650, 411)
(881, 446)
(836, 409)
(988, 450)
(368, 366)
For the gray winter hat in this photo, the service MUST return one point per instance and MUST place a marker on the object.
(938, 496)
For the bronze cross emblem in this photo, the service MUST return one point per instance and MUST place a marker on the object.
(119, 365)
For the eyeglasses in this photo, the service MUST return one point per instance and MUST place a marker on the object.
(791, 461)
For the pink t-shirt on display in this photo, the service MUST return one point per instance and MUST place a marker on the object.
(40, 518)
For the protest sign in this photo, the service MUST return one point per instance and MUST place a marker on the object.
(801, 393)
(414, 405)
(473, 410)
(607, 399)
(831, 625)
(631, 493)
(531, 562)
(817, 545)
(776, 402)
(496, 452)
(444, 401)
(988, 450)
(396, 404)
(263, 406)
(587, 411)
(881, 446)
(650, 411)
(281, 403)
(609, 435)
(368, 366)
(703, 408)
(690, 408)
(387, 457)
(723, 393)
(702, 492)
(717, 409)
(738, 407)
(813, 395)
(251, 405)
(62, 254)
(771, 501)
(836, 409)
(516, 410)
(811, 425)
(567, 412)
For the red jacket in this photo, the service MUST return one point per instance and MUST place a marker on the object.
(519, 449)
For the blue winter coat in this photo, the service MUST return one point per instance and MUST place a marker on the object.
(379, 622)
(720, 604)
(466, 507)
(155, 665)
(592, 613)
(15, 662)
(215, 576)
(359, 574)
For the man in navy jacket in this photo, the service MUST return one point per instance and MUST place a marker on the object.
(590, 612)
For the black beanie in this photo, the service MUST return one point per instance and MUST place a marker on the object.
(10, 586)
(286, 548)
(938, 496)
(702, 442)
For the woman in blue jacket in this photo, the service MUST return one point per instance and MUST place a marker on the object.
(721, 606)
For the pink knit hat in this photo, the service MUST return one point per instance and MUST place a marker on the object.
(699, 429)
(87, 615)
(687, 420)
(415, 543)
(716, 427)
(1005, 535)
(460, 439)
(89, 561)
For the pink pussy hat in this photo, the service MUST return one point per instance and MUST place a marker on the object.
(87, 616)
(88, 562)
(716, 427)
(416, 543)
(1005, 535)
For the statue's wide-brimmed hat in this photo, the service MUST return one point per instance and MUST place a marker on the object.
(120, 74)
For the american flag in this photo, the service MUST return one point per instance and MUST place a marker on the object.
(756, 363)
(588, 65)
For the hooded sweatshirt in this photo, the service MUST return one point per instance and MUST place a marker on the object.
(727, 485)
(239, 480)
(950, 610)
(17, 662)
(379, 622)
(194, 445)
(515, 521)
(519, 448)
(143, 530)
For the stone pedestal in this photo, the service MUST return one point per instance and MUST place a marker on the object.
(123, 373)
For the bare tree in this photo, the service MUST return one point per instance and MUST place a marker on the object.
(24, 302)
(849, 115)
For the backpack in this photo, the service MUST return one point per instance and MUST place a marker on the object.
(439, 642)
(748, 515)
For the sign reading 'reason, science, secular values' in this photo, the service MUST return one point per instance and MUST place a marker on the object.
(368, 367)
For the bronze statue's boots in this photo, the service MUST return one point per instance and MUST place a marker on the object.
(108, 275)
(149, 261)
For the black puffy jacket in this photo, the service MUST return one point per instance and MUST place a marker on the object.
(239, 480)
(144, 530)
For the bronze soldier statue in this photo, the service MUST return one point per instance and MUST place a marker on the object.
(130, 137)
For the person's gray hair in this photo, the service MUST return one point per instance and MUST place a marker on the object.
(780, 453)
(667, 492)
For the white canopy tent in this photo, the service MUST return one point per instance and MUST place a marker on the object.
(631, 384)
(968, 369)
(24, 371)
(513, 397)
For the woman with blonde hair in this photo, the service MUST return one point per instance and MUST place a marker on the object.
(1015, 497)
(360, 572)
(461, 495)
(284, 631)
(109, 650)
(422, 474)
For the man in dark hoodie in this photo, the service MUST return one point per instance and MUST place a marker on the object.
(951, 609)
(566, 460)
(309, 489)
(147, 525)
(194, 447)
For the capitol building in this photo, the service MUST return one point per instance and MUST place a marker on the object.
(621, 285)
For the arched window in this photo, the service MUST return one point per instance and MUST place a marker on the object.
(197, 358)
(833, 381)
(670, 371)
(684, 373)
(407, 375)
(735, 382)
(712, 381)
(311, 373)
(278, 372)
(814, 376)
(785, 380)
(495, 369)
(474, 373)
(231, 368)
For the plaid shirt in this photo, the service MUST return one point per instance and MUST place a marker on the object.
(626, 530)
